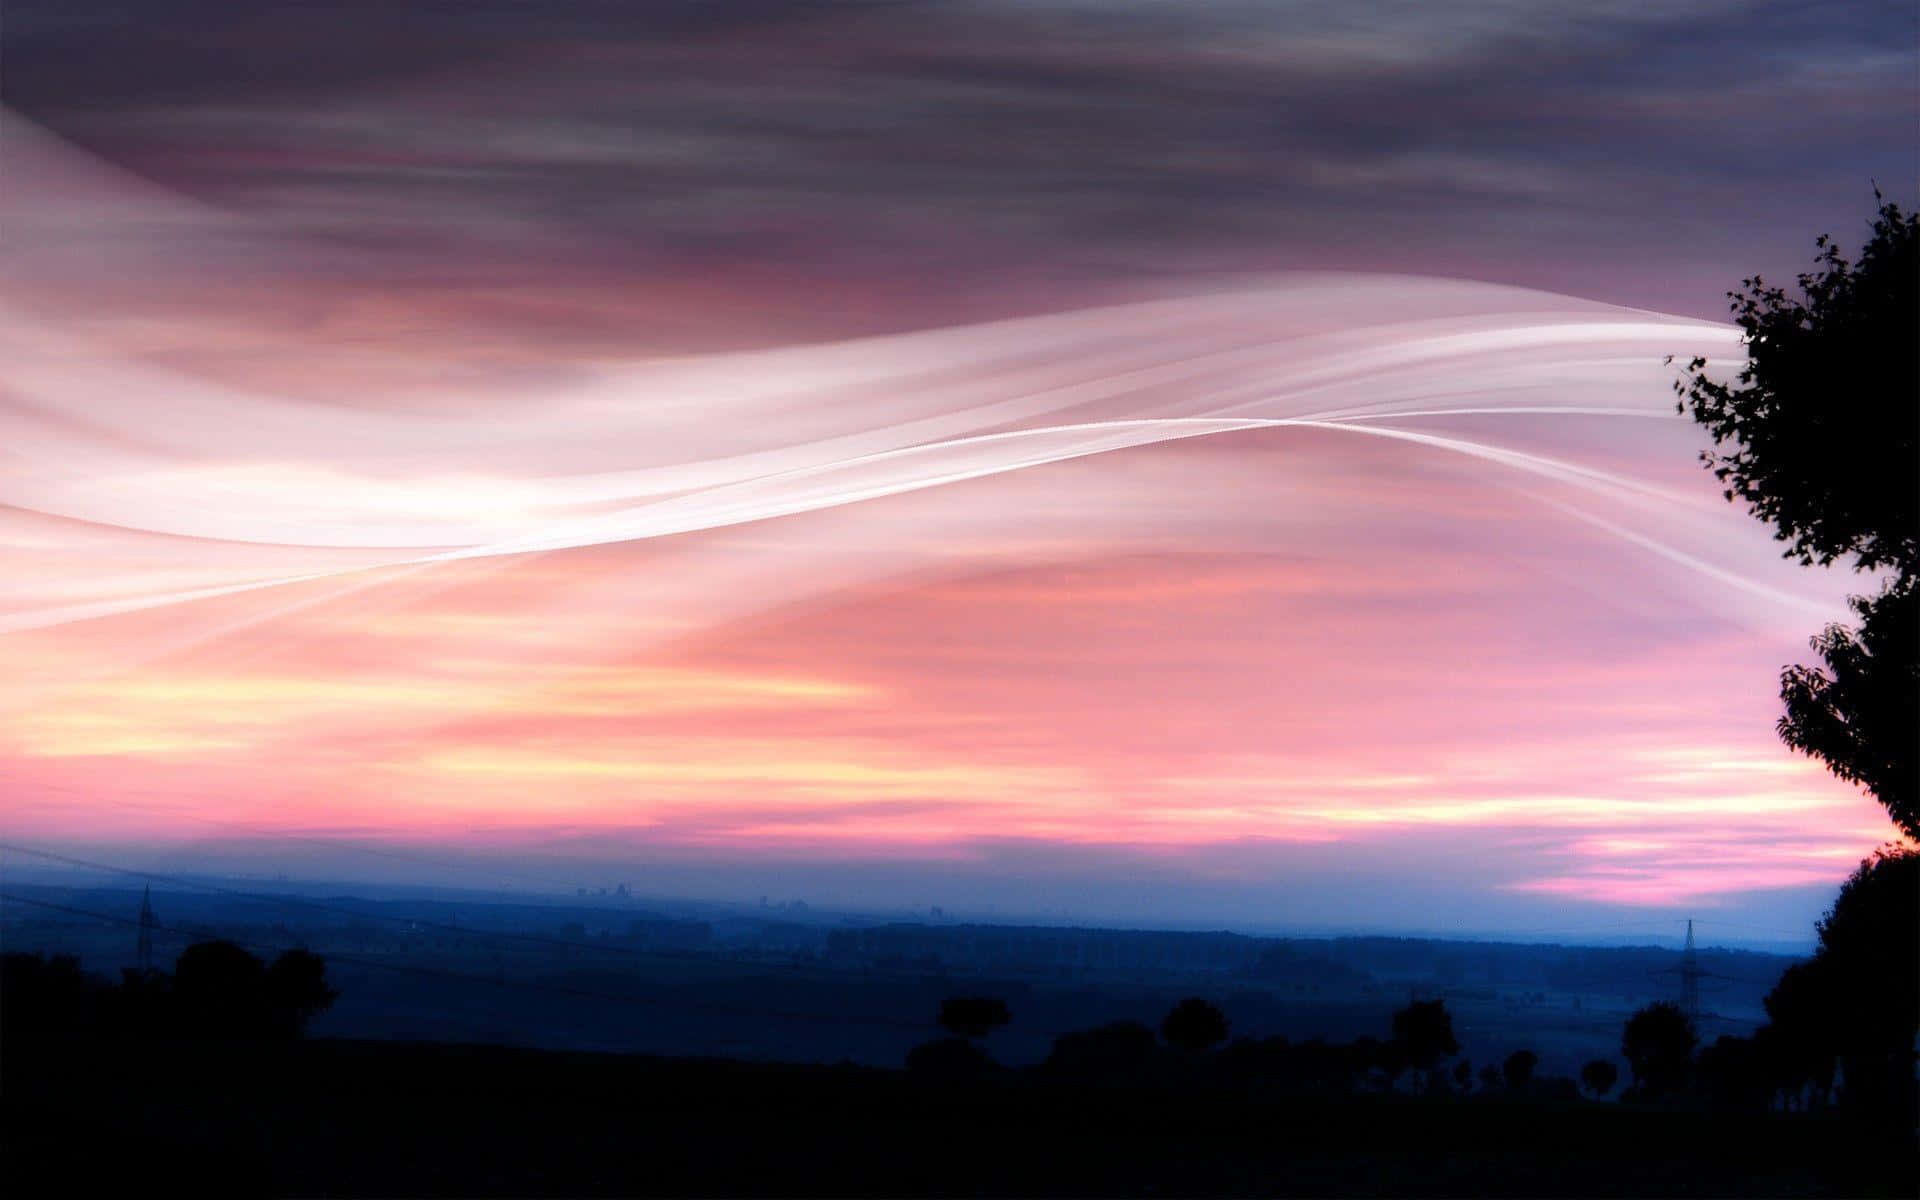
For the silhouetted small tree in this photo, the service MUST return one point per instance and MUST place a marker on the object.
(957, 1057)
(1424, 1032)
(1658, 1043)
(1194, 1025)
(1518, 1069)
(1599, 1076)
(973, 1016)
(1490, 1078)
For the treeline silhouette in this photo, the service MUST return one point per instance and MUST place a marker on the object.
(217, 990)
(1785, 1068)
(202, 1071)
(1841, 1034)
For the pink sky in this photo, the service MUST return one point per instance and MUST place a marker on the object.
(1241, 592)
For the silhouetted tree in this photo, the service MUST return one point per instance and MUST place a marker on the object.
(1658, 1043)
(297, 990)
(1193, 1025)
(973, 1016)
(1518, 1069)
(1856, 1003)
(1490, 1078)
(1804, 1014)
(966, 1017)
(221, 990)
(1820, 435)
(1424, 1032)
(1858, 713)
(1463, 1076)
(1599, 1076)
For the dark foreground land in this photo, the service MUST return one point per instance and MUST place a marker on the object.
(328, 1117)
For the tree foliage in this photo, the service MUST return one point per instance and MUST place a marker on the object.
(1819, 434)
(1853, 1010)
(1820, 430)
(1658, 1044)
(1424, 1029)
(1860, 715)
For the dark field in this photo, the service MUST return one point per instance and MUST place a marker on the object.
(357, 1118)
(494, 1047)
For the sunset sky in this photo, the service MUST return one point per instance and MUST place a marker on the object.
(1184, 464)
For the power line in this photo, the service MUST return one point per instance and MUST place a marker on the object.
(286, 901)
